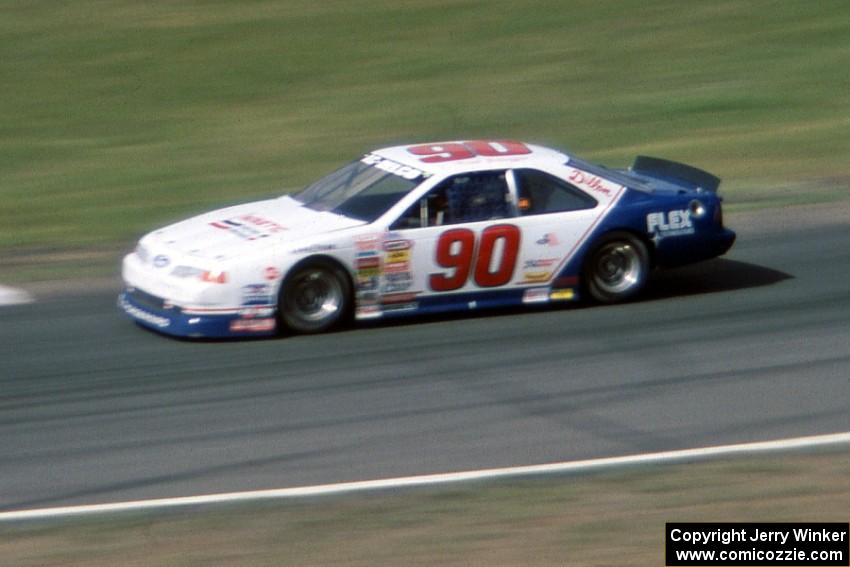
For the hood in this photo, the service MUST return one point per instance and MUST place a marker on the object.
(227, 233)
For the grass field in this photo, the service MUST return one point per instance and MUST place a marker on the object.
(117, 115)
(613, 519)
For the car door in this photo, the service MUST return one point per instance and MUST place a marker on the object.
(453, 246)
(554, 217)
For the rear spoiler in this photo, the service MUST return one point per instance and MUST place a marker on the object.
(675, 172)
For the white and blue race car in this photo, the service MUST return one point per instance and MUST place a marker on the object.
(422, 229)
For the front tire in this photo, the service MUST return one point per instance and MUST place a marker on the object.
(617, 268)
(315, 297)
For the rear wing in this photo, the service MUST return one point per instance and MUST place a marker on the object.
(676, 173)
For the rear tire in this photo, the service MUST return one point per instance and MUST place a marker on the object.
(315, 297)
(617, 268)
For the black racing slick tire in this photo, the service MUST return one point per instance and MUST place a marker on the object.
(617, 268)
(314, 297)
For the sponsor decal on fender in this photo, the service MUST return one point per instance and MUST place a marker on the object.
(256, 311)
(562, 294)
(367, 263)
(401, 306)
(534, 277)
(256, 293)
(536, 295)
(252, 325)
(370, 311)
(407, 297)
(397, 256)
(396, 270)
(367, 242)
(540, 263)
(668, 224)
(396, 282)
(397, 244)
(367, 267)
(548, 239)
(314, 248)
(249, 227)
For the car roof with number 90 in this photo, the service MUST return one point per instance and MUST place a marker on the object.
(425, 228)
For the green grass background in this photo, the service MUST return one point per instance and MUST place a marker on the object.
(118, 115)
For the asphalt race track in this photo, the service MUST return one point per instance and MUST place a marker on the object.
(752, 347)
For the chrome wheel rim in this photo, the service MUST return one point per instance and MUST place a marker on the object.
(315, 296)
(617, 267)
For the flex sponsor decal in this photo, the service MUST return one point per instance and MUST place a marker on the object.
(271, 273)
(668, 224)
(395, 168)
(249, 227)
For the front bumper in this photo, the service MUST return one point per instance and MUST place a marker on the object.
(183, 307)
(158, 315)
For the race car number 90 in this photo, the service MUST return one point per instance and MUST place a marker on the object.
(456, 248)
(435, 153)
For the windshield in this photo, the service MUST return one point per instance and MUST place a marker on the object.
(364, 189)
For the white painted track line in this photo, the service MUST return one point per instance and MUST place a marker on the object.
(13, 296)
(437, 479)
